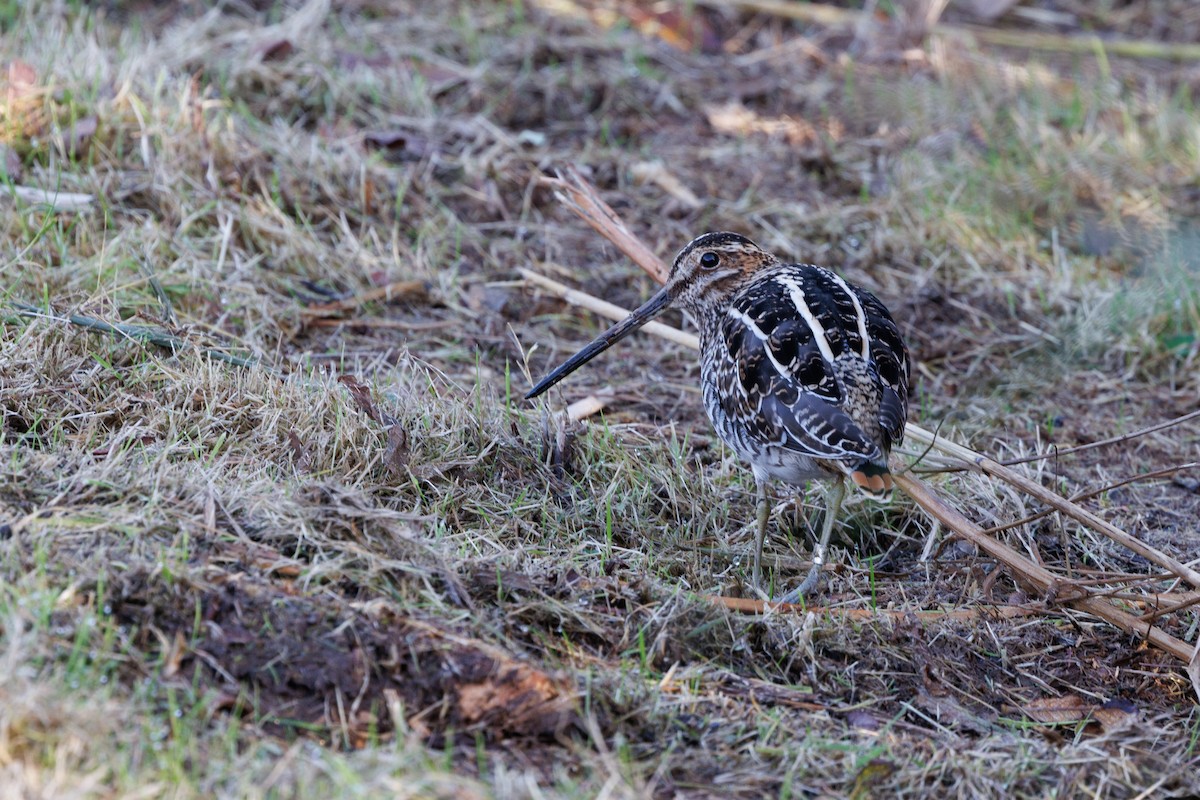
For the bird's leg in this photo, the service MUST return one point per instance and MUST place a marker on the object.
(834, 495)
(764, 514)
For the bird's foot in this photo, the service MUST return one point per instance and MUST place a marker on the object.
(807, 586)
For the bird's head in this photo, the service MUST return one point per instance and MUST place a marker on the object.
(704, 274)
(712, 268)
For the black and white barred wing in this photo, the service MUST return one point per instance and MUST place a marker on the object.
(785, 336)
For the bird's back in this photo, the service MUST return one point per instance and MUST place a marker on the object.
(804, 374)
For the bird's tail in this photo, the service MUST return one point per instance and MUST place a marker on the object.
(872, 477)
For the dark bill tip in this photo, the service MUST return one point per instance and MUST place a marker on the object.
(616, 333)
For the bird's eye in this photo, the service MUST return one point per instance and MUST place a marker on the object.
(710, 260)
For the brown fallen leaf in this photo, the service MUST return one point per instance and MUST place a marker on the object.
(10, 164)
(592, 404)
(300, 452)
(735, 119)
(395, 455)
(21, 102)
(933, 682)
(275, 50)
(398, 145)
(862, 720)
(1068, 708)
(438, 77)
(1116, 714)
(20, 83)
(361, 394)
(81, 136)
(516, 696)
(173, 659)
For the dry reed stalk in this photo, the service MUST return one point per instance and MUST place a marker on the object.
(396, 290)
(606, 309)
(832, 16)
(1039, 492)
(751, 605)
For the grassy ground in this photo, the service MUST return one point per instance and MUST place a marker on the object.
(347, 559)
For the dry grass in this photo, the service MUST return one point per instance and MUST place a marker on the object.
(361, 564)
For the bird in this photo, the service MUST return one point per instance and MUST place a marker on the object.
(803, 374)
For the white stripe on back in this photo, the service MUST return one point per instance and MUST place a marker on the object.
(818, 331)
(860, 316)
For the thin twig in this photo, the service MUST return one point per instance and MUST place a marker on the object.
(1125, 437)
(1036, 490)
(392, 291)
(750, 605)
(1187, 602)
(1026, 40)
(56, 200)
(1090, 493)
(606, 309)
(147, 334)
(1038, 575)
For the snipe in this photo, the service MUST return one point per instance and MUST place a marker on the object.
(803, 373)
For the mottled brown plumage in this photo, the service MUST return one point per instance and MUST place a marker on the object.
(803, 374)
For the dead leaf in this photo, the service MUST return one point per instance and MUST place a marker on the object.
(592, 404)
(1068, 708)
(516, 696)
(933, 683)
(1184, 482)
(1116, 714)
(348, 60)
(395, 456)
(361, 393)
(300, 453)
(21, 81)
(863, 721)
(10, 165)
(81, 136)
(21, 102)
(398, 145)
(677, 25)
(875, 771)
(438, 77)
(174, 657)
(735, 119)
(275, 50)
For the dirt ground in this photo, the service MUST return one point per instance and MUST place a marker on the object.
(275, 521)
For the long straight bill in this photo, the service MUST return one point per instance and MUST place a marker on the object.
(616, 333)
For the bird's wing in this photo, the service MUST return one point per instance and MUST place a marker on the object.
(783, 335)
